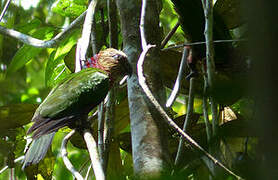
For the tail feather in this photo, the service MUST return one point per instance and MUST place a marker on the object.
(38, 149)
(51, 126)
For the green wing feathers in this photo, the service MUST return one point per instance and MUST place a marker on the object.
(74, 97)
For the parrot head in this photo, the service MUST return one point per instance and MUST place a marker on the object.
(113, 61)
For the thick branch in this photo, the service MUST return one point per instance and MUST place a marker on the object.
(94, 155)
(87, 28)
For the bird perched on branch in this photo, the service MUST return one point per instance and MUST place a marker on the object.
(69, 103)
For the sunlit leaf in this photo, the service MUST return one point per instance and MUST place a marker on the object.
(69, 8)
(56, 69)
(27, 52)
(27, 27)
(46, 166)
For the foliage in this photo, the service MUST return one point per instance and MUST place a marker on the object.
(27, 73)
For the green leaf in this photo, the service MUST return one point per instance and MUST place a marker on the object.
(27, 52)
(27, 27)
(16, 115)
(71, 8)
(70, 59)
(56, 69)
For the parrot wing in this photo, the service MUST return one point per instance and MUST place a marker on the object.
(74, 97)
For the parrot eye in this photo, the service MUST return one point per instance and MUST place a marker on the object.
(116, 56)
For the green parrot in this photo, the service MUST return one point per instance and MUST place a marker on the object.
(69, 103)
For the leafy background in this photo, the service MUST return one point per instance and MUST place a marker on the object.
(28, 73)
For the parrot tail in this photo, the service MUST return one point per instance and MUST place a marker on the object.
(37, 149)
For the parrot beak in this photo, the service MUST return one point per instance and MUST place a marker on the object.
(128, 70)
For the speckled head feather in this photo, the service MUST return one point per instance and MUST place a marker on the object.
(114, 62)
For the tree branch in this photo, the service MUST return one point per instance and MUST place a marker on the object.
(64, 154)
(142, 82)
(188, 119)
(5, 9)
(87, 28)
(169, 121)
(181, 73)
(94, 155)
(208, 11)
(169, 35)
(101, 132)
(15, 161)
(142, 25)
(40, 43)
(109, 125)
(202, 42)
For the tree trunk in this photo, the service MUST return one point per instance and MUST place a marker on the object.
(263, 45)
(149, 147)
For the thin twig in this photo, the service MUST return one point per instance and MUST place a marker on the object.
(88, 172)
(169, 35)
(15, 161)
(206, 119)
(94, 155)
(40, 43)
(12, 174)
(109, 125)
(5, 9)
(181, 73)
(202, 42)
(87, 28)
(205, 107)
(188, 119)
(101, 131)
(64, 155)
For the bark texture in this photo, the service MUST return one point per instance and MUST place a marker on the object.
(150, 154)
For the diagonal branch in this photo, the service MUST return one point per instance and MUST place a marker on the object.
(181, 73)
(170, 122)
(169, 35)
(5, 9)
(87, 28)
(94, 155)
(40, 43)
(66, 160)
(188, 119)
(146, 89)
